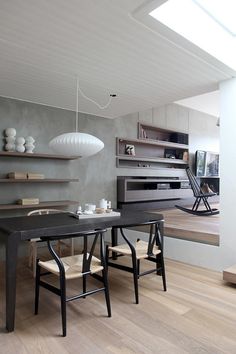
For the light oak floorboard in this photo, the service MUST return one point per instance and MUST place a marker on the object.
(196, 315)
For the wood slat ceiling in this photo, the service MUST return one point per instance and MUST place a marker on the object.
(45, 44)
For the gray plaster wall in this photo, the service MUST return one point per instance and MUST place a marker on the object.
(97, 174)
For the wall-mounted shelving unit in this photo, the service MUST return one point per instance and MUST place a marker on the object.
(36, 155)
(161, 135)
(44, 180)
(150, 154)
(45, 204)
(154, 149)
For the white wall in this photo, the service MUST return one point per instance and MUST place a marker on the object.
(203, 135)
(223, 256)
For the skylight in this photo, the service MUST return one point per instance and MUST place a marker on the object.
(222, 12)
(206, 23)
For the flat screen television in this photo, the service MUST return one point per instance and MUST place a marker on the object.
(206, 164)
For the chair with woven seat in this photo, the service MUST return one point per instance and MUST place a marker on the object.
(201, 194)
(151, 250)
(72, 267)
(33, 243)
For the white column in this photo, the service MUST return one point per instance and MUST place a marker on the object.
(228, 171)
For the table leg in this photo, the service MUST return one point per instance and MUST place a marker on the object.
(161, 228)
(114, 241)
(11, 262)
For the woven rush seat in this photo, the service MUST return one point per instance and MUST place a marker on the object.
(77, 266)
(73, 266)
(140, 246)
(151, 251)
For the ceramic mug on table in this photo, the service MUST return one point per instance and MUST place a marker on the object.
(103, 204)
(90, 207)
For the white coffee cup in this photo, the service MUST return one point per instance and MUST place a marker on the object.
(90, 207)
(103, 204)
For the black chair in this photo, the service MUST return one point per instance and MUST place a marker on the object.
(76, 266)
(140, 250)
(201, 196)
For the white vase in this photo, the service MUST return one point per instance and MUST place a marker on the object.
(29, 139)
(20, 148)
(20, 144)
(29, 148)
(10, 147)
(29, 144)
(10, 140)
(10, 132)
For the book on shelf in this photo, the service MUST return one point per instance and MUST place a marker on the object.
(17, 175)
(28, 201)
(31, 175)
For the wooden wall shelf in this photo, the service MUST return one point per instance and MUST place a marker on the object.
(37, 156)
(145, 159)
(153, 133)
(167, 144)
(48, 204)
(44, 180)
(150, 154)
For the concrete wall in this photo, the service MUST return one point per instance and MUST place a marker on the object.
(97, 174)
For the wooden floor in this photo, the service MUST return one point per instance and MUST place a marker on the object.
(196, 315)
(204, 229)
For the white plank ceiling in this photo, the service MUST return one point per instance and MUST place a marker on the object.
(45, 44)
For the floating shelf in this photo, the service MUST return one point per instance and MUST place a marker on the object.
(158, 159)
(48, 204)
(153, 142)
(37, 156)
(153, 133)
(44, 180)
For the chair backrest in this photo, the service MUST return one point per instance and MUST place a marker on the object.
(44, 211)
(193, 183)
(155, 237)
(96, 238)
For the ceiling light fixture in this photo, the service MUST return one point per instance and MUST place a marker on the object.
(75, 143)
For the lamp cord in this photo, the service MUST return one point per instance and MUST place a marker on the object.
(91, 100)
(77, 106)
(79, 90)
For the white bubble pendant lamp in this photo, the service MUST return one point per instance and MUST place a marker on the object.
(76, 144)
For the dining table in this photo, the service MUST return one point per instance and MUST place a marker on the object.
(14, 230)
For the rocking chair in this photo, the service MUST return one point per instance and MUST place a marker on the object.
(200, 196)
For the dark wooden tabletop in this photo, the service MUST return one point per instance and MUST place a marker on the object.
(29, 227)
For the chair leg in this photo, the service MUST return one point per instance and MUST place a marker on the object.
(163, 273)
(107, 295)
(107, 255)
(37, 279)
(34, 258)
(63, 305)
(138, 267)
(135, 276)
(158, 272)
(84, 285)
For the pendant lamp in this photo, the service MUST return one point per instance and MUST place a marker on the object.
(75, 143)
